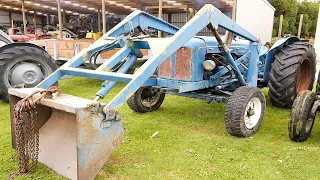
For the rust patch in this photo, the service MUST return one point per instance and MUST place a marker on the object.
(304, 76)
(44, 113)
(86, 125)
(166, 68)
(183, 66)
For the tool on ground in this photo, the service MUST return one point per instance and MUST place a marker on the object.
(78, 135)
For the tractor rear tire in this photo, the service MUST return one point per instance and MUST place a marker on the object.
(300, 124)
(23, 64)
(145, 100)
(293, 70)
(244, 111)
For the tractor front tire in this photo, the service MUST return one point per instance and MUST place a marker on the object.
(300, 123)
(23, 64)
(293, 70)
(145, 100)
(244, 112)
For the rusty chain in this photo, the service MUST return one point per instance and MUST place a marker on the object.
(27, 131)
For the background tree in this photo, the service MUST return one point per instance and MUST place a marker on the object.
(291, 10)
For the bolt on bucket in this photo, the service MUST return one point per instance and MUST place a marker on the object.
(74, 138)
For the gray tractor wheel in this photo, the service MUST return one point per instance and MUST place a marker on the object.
(24, 65)
(145, 100)
(244, 112)
(293, 70)
(300, 123)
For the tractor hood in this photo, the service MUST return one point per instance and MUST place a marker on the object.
(238, 45)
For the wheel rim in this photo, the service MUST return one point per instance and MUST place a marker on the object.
(253, 113)
(27, 72)
(304, 76)
(309, 124)
(149, 97)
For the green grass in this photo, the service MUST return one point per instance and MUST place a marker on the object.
(192, 143)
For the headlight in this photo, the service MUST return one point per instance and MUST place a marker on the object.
(209, 65)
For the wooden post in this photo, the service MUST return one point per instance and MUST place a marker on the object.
(10, 19)
(63, 16)
(48, 19)
(280, 27)
(300, 25)
(170, 18)
(99, 20)
(187, 15)
(234, 10)
(192, 12)
(142, 7)
(234, 16)
(60, 18)
(24, 18)
(35, 24)
(160, 16)
(104, 19)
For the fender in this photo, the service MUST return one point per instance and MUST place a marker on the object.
(273, 50)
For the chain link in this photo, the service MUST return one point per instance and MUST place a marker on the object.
(27, 131)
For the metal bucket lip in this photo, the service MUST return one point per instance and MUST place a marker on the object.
(64, 102)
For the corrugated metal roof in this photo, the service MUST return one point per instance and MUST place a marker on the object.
(76, 7)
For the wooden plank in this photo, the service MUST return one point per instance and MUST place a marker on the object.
(66, 47)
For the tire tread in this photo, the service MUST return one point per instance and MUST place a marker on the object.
(12, 51)
(283, 74)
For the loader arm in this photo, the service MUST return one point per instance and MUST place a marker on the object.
(208, 14)
(86, 132)
(135, 19)
(115, 38)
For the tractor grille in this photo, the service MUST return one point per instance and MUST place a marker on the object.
(182, 65)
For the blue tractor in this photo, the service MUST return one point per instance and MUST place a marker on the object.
(182, 64)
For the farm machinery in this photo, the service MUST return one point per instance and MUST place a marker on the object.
(22, 64)
(77, 136)
(303, 114)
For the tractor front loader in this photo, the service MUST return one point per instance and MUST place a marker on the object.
(78, 135)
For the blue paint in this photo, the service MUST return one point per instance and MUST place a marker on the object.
(117, 57)
(118, 77)
(107, 86)
(93, 141)
(252, 72)
(248, 62)
(269, 60)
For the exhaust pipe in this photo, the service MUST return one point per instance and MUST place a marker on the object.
(74, 139)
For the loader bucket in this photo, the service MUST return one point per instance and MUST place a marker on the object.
(74, 140)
